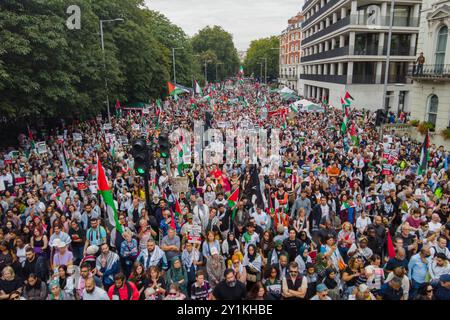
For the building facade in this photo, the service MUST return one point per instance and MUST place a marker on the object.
(431, 83)
(290, 53)
(344, 48)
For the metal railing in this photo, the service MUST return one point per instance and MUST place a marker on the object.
(359, 20)
(319, 12)
(341, 79)
(429, 71)
(370, 50)
(337, 52)
(331, 28)
(364, 78)
(401, 51)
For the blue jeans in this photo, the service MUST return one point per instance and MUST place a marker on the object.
(414, 289)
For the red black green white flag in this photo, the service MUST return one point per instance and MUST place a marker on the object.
(424, 156)
(107, 196)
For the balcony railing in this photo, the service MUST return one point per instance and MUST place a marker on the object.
(337, 52)
(401, 51)
(331, 28)
(341, 79)
(370, 50)
(364, 78)
(360, 20)
(319, 12)
(307, 3)
(433, 72)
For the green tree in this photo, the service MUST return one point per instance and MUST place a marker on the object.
(215, 40)
(260, 49)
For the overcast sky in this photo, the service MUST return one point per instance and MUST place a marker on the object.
(246, 20)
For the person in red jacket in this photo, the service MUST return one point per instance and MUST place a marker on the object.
(123, 290)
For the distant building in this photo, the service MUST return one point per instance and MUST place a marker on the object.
(431, 88)
(344, 47)
(241, 55)
(290, 53)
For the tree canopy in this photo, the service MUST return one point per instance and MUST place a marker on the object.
(216, 46)
(260, 49)
(48, 71)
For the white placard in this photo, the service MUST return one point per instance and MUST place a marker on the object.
(136, 127)
(146, 111)
(41, 147)
(77, 136)
(107, 126)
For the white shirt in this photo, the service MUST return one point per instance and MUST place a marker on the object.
(434, 226)
(362, 223)
(325, 211)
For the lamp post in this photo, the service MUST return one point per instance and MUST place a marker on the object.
(265, 69)
(261, 64)
(104, 62)
(173, 62)
(388, 58)
(206, 66)
(219, 63)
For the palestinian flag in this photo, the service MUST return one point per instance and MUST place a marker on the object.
(344, 104)
(241, 70)
(175, 90)
(324, 100)
(103, 189)
(177, 208)
(348, 97)
(232, 200)
(118, 108)
(344, 125)
(197, 88)
(424, 156)
(353, 136)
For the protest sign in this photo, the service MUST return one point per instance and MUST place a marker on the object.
(41, 147)
(180, 184)
(77, 136)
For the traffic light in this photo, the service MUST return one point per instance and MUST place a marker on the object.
(141, 155)
(164, 145)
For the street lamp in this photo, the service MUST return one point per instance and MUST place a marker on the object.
(265, 70)
(173, 61)
(104, 61)
(261, 64)
(219, 63)
(388, 58)
(206, 66)
(192, 71)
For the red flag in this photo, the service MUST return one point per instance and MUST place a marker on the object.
(177, 207)
(390, 246)
(118, 104)
(172, 221)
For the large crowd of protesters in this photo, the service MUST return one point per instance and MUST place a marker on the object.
(334, 218)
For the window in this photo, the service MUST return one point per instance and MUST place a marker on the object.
(441, 44)
(433, 102)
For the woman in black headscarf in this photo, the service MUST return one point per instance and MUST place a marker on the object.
(331, 283)
(253, 266)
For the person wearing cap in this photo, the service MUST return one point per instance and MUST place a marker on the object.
(62, 257)
(361, 250)
(442, 288)
(438, 267)
(215, 267)
(95, 235)
(321, 293)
